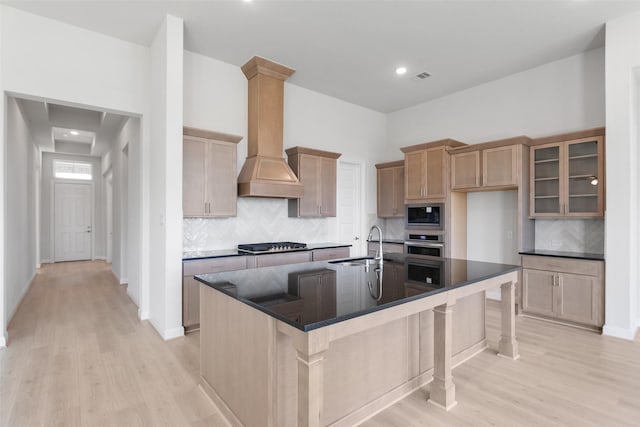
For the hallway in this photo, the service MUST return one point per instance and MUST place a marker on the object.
(78, 356)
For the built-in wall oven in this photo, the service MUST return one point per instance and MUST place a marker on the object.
(429, 216)
(424, 245)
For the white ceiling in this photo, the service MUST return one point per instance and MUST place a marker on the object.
(349, 49)
(51, 125)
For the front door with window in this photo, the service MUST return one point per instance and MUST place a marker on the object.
(72, 216)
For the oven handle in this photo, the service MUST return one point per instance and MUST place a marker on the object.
(425, 244)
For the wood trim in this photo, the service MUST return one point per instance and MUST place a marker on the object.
(434, 144)
(259, 65)
(588, 133)
(211, 134)
(390, 164)
(522, 139)
(312, 152)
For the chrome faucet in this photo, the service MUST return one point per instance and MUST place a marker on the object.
(378, 256)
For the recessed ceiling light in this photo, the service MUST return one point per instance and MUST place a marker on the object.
(401, 70)
(74, 132)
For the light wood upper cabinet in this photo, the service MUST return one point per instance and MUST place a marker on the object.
(489, 168)
(317, 171)
(426, 170)
(390, 189)
(209, 186)
(567, 178)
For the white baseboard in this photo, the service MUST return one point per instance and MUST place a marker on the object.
(45, 261)
(24, 293)
(4, 337)
(124, 281)
(143, 315)
(168, 334)
(172, 333)
(624, 333)
(100, 258)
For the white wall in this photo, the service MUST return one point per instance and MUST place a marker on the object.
(558, 97)
(621, 244)
(46, 207)
(3, 157)
(112, 75)
(561, 96)
(20, 209)
(166, 178)
(215, 95)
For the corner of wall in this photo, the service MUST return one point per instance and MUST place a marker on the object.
(4, 337)
(172, 333)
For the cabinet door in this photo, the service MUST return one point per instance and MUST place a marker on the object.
(545, 181)
(538, 292)
(327, 184)
(436, 181)
(465, 170)
(500, 167)
(193, 177)
(415, 172)
(222, 189)
(190, 303)
(580, 299)
(398, 206)
(585, 181)
(386, 191)
(308, 204)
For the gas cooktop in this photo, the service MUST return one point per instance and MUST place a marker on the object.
(259, 248)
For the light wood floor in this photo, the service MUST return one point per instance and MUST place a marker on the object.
(78, 356)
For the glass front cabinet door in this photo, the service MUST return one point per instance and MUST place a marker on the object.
(567, 178)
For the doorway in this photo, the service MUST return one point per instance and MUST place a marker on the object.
(73, 221)
(350, 205)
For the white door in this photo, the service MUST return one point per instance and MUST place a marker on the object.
(350, 206)
(72, 221)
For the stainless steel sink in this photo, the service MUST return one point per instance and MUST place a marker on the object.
(354, 262)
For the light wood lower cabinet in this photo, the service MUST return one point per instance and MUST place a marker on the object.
(564, 289)
(191, 287)
(387, 248)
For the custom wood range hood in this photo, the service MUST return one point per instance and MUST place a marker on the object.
(265, 173)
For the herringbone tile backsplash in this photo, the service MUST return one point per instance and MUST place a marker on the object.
(572, 235)
(258, 220)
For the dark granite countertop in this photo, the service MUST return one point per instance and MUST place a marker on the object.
(192, 255)
(316, 294)
(563, 254)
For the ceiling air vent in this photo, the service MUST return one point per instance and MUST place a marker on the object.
(420, 77)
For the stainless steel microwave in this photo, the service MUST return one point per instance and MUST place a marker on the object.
(425, 216)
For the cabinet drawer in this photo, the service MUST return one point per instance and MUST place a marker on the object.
(330, 253)
(269, 260)
(213, 265)
(563, 265)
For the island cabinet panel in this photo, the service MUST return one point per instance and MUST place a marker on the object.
(209, 187)
(564, 289)
(486, 169)
(390, 177)
(567, 178)
(317, 171)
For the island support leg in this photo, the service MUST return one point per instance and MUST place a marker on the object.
(310, 385)
(443, 390)
(508, 346)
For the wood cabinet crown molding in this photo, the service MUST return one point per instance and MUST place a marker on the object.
(447, 142)
(522, 139)
(390, 164)
(260, 65)
(210, 134)
(312, 152)
(587, 133)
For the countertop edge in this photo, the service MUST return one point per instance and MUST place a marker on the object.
(587, 257)
(235, 253)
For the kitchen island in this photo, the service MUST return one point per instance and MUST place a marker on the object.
(332, 343)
